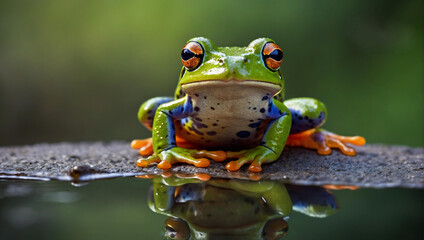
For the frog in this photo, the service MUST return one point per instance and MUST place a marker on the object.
(217, 208)
(229, 104)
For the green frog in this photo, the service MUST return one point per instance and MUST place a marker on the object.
(233, 208)
(229, 104)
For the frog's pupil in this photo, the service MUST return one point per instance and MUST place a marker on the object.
(186, 54)
(277, 55)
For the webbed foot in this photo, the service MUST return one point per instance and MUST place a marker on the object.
(323, 141)
(198, 158)
(145, 146)
(256, 156)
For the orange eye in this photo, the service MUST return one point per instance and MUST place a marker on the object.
(192, 55)
(176, 228)
(272, 56)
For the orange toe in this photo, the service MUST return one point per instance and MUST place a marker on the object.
(145, 146)
(357, 140)
(142, 163)
(233, 166)
(146, 151)
(348, 151)
(324, 150)
(202, 162)
(255, 167)
(138, 143)
(164, 165)
(202, 176)
(255, 176)
(218, 156)
(335, 143)
(323, 141)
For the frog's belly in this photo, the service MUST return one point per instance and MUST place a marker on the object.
(222, 133)
(227, 117)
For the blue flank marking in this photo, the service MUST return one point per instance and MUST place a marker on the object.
(189, 192)
(302, 197)
(266, 130)
(274, 112)
(179, 112)
(302, 122)
(171, 133)
(182, 111)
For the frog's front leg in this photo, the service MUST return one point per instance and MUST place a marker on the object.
(308, 115)
(164, 138)
(272, 143)
(146, 114)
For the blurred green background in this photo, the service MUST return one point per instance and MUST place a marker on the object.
(78, 70)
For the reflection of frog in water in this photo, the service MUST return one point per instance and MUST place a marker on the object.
(233, 209)
(232, 98)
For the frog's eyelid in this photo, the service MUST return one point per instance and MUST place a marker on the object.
(202, 49)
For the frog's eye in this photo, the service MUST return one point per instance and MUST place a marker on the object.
(272, 56)
(176, 228)
(275, 229)
(192, 55)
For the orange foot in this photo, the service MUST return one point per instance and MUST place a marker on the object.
(323, 141)
(145, 146)
(166, 158)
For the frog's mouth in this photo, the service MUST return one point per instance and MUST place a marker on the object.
(232, 87)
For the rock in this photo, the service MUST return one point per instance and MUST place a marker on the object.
(375, 166)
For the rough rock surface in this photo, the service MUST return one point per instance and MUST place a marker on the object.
(374, 166)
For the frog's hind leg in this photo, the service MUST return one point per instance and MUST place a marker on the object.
(308, 115)
(146, 114)
(323, 141)
(147, 110)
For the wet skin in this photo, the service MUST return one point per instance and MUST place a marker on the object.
(229, 104)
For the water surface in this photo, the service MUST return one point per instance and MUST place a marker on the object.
(118, 208)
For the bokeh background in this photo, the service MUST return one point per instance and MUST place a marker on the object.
(78, 70)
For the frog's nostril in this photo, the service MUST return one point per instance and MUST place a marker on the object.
(221, 60)
(245, 59)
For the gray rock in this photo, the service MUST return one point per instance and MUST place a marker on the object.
(375, 166)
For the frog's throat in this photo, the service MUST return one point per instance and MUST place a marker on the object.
(271, 88)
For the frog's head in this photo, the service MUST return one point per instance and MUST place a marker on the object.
(179, 229)
(206, 65)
